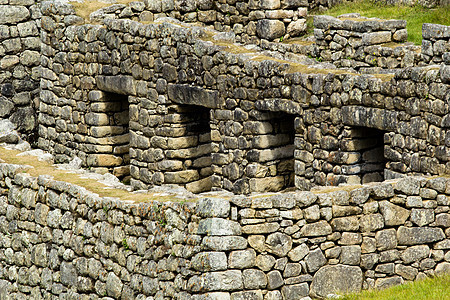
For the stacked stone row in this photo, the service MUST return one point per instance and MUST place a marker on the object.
(360, 43)
(414, 132)
(249, 21)
(244, 96)
(435, 43)
(59, 240)
(19, 61)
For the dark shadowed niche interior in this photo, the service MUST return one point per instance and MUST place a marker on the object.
(273, 166)
(193, 149)
(369, 142)
(115, 133)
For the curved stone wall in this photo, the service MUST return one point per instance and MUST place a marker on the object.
(60, 241)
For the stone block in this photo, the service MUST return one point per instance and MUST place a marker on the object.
(419, 235)
(10, 14)
(254, 279)
(242, 259)
(270, 29)
(209, 261)
(224, 243)
(120, 84)
(378, 37)
(336, 279)
(219, 227)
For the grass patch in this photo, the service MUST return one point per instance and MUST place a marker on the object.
(85, 8)
(415, 16)
(436, 288)
(45, 168)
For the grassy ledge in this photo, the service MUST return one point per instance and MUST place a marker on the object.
(415, 16)
(436, 288)
(85, 8)
(45, 168)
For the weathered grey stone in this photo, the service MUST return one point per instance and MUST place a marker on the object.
(10, 14)
(230, 280)
(422, 217)
(254, 279)
(68, 274)
(265, 262)
(350, 255)
(270, 29)
(443, 268)
(393, 214)
(224, 243)
(316, 229)
(314, 260)
(408, 186)
(256, 295)
(279, 244)
(336, 279)
(345, 223)
(371, 222)
(298, 252)
(407, 272)
(386, 239)
(384, 283)
(274, 280)
(419, 235)
(415, 253)
(217, 226)
(242, 259)
(120, 84)
(291, 292)
(186, 94)
(209, 261)
(212, 207)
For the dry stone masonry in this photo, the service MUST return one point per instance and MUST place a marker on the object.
(60, 241)
(19, 63)
(220, 95)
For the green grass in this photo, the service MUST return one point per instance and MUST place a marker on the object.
(437, 288)
(414, 15)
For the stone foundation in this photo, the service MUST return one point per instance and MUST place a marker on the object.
(59, 240)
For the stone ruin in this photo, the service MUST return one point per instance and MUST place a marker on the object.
(215, 96)
(223, 95)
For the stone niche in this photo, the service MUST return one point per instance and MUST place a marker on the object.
(271, 161)
(368, 145)
(188, 157)
(109, 132)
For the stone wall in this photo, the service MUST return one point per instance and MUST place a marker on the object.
(250, 21)
(435, 43)
(60, 241)
(364, 44)
(19, 63)
(207, 114)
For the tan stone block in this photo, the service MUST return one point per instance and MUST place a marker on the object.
(181, 176)
(121, 171)
(268, 184)
(199, 186)
(103, 160)
(182, 142)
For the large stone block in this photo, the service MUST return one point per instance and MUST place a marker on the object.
(192, 95)
(220, 227)
(336, 279)
(13, 14)
(120, 84)
(270, 29)
(224, 243)
(209, 261)
(419, 235)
